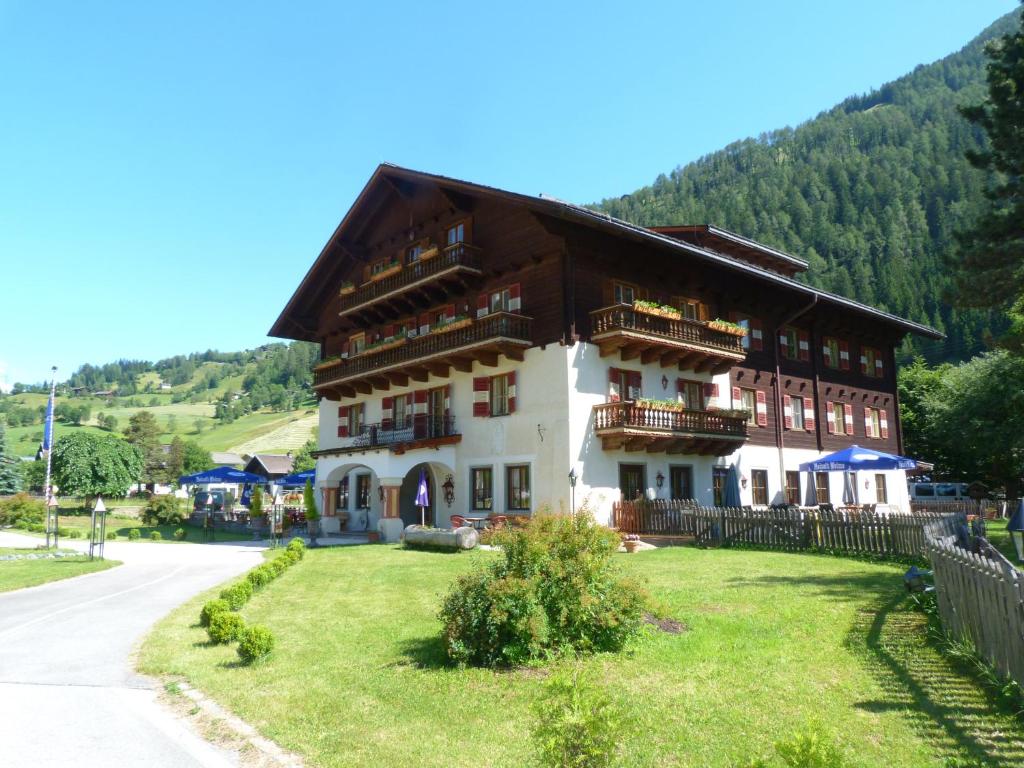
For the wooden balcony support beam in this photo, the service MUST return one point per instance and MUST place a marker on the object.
(380, 382)
(462, 364)
(398, 379)
(513, 353)
(651, 354)
(486, 357)
(440, 369)
(632, 350)
(418, 373)
(363, 387)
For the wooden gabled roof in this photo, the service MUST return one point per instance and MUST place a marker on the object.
(343, 249)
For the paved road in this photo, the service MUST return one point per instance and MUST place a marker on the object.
(68, 694)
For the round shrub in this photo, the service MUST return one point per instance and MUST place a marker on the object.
(164, 510)
(111, 535)
(255, 643)
(134, 535)
(298, 546)
(259, 577)
(225, 626)
(73, 533)
(21, 507)
(237, 594)
(277, 566)
(180, 534)
(155, 536)
(210, 609)
(555, 589)
(289, 557)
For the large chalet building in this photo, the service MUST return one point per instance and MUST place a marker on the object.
(494, 343)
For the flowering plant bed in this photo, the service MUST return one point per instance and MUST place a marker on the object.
(430, 253)
(327, 362)
(660, 310)
(661, 405)
(382, 345)
(453, 325)
(346, 288)
(392, 269)
(726, 327)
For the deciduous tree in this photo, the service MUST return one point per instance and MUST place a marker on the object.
(91, 463)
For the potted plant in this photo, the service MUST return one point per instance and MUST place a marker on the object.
(257, 519)
(631, 542)
(734, 329)
(459, 321)
(312, 513)
(429, 253)
(391, 268)
(661, 405)
(346, 288)
(654, 308)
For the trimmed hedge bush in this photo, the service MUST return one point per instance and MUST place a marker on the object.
(210, 609)
(180, 534)
(155, 536)
(225, 626)
(277, 566)
(260, 576)
(111, 535)
(255, 643)
(134, 535)
(237, 594)
(555, 590)
(298, 546)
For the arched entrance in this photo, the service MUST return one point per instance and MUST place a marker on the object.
(351, 490)
(434, 513)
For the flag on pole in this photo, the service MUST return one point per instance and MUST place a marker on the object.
(48, 428)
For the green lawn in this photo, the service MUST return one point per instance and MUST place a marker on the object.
(774, 640)
(16, 574)
(122, 525)
(1000, 539)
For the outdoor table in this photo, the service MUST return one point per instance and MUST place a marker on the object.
(476, 522)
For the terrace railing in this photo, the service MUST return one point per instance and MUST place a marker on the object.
(494, 327)
(408, 430)
(636, 415)
(625, 317)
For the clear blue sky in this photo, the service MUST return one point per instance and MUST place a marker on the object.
(169, 171)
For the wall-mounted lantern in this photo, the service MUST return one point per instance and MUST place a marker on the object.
(448, 487)
(659, 479)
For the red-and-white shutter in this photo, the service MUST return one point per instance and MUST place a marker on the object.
(481, 305)
(848, 418)
(342, 421)
(830, 420)
(826, 354)
(344, 350)
(710, 393)
(883, 423)
(512, 392)
(481, 396)
(635, 385)
(420, 425)
(787, 411)
(387, 413)
(614, 395)
(756, 336)
(867, 423)
(762, 409)
(424, 323)
(515, 301)
(804, 344)
(737, 398)
(879, 365)
(863, 362)
(784, 343)
(389, 332)
(449, 312)
(844, 355)
(809, 414)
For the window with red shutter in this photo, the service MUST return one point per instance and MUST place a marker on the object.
(481, 396)
(804, 342)
(481, 305)
(762, 409)
(848, 418)
(512, 391)
(830, 419)
(809, 423)
(515, 301)
(756, 335)
(387, 410)
(787, 411)
(844, 355)
(343, 421)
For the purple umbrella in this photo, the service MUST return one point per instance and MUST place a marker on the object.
(422, 497)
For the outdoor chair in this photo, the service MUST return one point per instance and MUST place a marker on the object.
(458, 521)
(498, 521)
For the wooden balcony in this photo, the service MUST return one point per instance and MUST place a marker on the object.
(421, 431)
(414, 287)
(690, 344)
(483, 340)
(637, 427)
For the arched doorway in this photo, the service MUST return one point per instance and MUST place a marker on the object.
(352, 490)
(407, 507)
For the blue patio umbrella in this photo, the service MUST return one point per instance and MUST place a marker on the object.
(849, 488)
(221, 475)
(297, 479)
(731, 497)
(422, 496)
(855, 458)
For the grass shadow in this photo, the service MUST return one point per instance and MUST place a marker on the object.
(425, 653)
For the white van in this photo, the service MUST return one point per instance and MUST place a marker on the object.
(938, 491)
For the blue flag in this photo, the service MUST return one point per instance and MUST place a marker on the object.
(48, 429)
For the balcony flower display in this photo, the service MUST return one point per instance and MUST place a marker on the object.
(459, 321)
(725, 326)
(660, 405)
(654, 308)
(346, 288)
(429, 253)
(391, 268)
(734, 413)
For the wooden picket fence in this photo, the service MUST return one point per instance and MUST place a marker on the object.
(981, 599)
(793, 529)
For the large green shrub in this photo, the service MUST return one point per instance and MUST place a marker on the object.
(237, 594)
(210, 609)
(21, 508)
(163, 510)
(577, 724)
(255, 643)
(225, 627)
(298, 546)
(554, 590)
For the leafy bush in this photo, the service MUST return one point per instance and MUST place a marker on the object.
(555, 590)
(298, 546)
(210, 609)
(72, 533)
(180, 534)
(576, 724)
(225, 626)
(289, 557)
(21, 508)
(811, 748)
(134, 535)
(237, 594)
(255, 643)
(111, 535)
(260, 576)
(163, 510)
(155, 536)
(277, 566)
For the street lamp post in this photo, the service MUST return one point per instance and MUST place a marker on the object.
(572, 489)
(99, 508)
(52, 519)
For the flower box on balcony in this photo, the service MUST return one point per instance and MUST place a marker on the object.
(327, 362)
(347, 288)
(733, 413)
(430, 253)
(726, 327)
(452, 325)
(659, 310)
(660, 405)
(392, 269)
(372, 349)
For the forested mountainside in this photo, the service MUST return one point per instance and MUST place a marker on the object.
(869, 192)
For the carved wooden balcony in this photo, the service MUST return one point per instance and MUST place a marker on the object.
(638, 427)
(466, 342)
(413, 287)
(411, 433)
(690, 344)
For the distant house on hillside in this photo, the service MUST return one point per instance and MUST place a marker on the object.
(103, 393)
(164, 386)
(272, 466)
(226, 459)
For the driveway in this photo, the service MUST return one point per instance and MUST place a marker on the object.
(68, 693)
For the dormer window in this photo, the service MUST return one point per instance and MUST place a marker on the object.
(456, 233)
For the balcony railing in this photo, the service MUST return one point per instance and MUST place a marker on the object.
(633, 415)
(407, 431)
(493, 332)
(457, 257)
(695, 333)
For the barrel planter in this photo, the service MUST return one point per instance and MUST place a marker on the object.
(421, 537)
